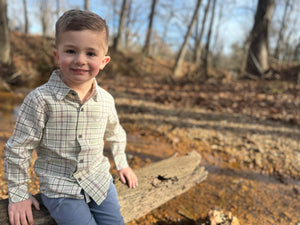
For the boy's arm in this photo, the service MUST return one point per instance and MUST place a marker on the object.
(116, 135)
(18, 149)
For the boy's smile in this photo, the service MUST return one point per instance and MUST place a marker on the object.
(80, 55)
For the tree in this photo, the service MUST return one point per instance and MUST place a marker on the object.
(86, 4)
(118, 38)
(207, 46)
(149, 30)
(5, 57)
(57, 11)
(282, 29)
(182, 51)
(45, 15)
(257, 58)
(198, 48)
(25, 16)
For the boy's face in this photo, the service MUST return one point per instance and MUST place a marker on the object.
(80, 55)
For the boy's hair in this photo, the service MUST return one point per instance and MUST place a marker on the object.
(77, 20)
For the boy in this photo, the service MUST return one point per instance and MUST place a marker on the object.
(66, 120)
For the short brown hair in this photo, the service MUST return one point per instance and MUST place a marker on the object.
(77, 20)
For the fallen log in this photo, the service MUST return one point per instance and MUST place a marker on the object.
(158, 183)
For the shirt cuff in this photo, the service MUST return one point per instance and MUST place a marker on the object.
(18, 194)
(121, 161)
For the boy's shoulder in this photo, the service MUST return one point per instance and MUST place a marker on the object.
(104, 93)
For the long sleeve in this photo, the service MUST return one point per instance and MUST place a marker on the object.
(18, 149)
(116, 136)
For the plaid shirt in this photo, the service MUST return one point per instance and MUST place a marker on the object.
(69, 139)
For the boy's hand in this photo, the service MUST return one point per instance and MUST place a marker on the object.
(20, 213)
(127, 176)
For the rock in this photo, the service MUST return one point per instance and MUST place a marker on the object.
(217, 217)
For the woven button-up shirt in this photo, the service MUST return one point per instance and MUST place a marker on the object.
(69, 139)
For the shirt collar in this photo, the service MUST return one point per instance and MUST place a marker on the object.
(61, 90)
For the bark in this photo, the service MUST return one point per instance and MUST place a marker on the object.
(118, 39)
(257, 59)
(57, 8)
(86, 4)
(5, 57)
(281, 31)
(198, 48)
(158, 183)
(207, 46)
(181, 54)
(25, 16)
(149, 30)
(45, 16)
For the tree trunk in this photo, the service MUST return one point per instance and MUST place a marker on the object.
(25, 17)
(149, 30)
(207, 46)
(86, 4)
(45, 16)
(198, 47)
(158, 183)
(57, 11)
(281, 31)
(5, 57)
(118, 39)
(257, 59)
(181, 54)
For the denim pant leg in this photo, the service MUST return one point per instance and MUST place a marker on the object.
(108, 212)
(67, 211)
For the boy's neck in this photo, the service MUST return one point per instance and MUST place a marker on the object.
(84, 93)
(84, 90)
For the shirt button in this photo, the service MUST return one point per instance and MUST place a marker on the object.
(81, 161)
(82, 109)
(80, 136)
(79, 179)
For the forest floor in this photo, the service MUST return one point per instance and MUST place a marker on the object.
(246, 131)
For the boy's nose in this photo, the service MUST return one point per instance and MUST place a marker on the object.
(79, 59)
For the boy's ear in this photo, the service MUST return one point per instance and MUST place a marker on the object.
(104, 61)
(55, 53)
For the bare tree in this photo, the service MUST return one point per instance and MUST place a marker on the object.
(5, 57)
(133, 23)
(57, 8)
(181, 54)
(118, 38)
(282, 29)
(207, 46)
(86, 4)
(128, 21)
(257, 59)
(198, 48)
(45, 15)
(149, 30)
(25, 16)
(218, 43)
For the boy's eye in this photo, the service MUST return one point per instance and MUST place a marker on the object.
(91, 54)
(70, 51)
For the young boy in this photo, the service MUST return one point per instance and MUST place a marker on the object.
(66, 120)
